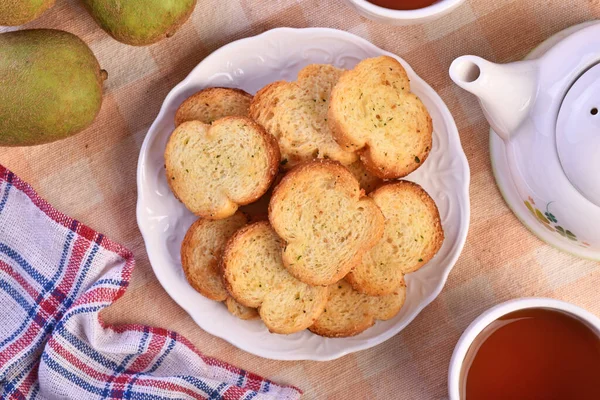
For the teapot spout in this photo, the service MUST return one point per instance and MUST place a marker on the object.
(506, 92)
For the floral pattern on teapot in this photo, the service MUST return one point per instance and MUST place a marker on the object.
(549, 221)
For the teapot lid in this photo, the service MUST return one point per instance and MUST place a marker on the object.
(578, 134)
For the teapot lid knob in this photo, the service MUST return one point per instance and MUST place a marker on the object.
(578, 134)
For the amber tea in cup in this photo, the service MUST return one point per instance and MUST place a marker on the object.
(403, 4)
(531, 354)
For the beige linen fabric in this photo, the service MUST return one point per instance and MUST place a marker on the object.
(91, 177)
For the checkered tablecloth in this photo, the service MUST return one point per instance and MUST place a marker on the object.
(91, 177)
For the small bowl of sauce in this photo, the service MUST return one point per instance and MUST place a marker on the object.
(404, 12)
(531, 348)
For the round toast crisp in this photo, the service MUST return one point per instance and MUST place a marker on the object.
(254, 275)
(201, 251)
(373, 112)
(211, 104)
(296, 114)
(349, 313)
(240, 311)
(327, 222)
(413, 235)
(213, 169)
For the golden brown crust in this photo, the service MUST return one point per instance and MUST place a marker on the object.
(227, 259)
(400, 172)
(201, 252)
(262, 101)
(240, 311)
(389, 126)
(368, 181)
(213, 103)
(330, 269)
(353, 305)
(274, 160)
(403, 249)
(439, 237)
(438, 240)
(359, 327)
(349, 313)
(186, 263)
(255, 277)
(296, 114)
(181, 181)
(262, 98)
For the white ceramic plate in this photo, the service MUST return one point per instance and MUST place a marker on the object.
(250, 64)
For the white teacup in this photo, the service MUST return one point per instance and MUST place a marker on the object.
(455, 375)
(404, 17)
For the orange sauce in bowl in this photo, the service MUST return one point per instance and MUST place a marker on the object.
(403, 4)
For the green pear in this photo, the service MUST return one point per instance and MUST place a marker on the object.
(18, 12)
(50, 86)
(140, 22)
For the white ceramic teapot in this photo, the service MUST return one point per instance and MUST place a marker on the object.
(545, 117)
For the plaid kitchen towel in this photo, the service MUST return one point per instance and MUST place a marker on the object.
(56, 275)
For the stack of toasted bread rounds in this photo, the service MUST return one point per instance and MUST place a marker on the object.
(254, 274)
(296, 114)
(299, 223)
(413, 235)
(374, 113)
(325, 219)
(201, 252)
(348, 312)
(213, 169)
(205, 240)
(211, 104)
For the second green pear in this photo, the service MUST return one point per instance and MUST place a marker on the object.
(140, 22)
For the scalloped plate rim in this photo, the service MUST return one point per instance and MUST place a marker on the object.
(300, 353)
